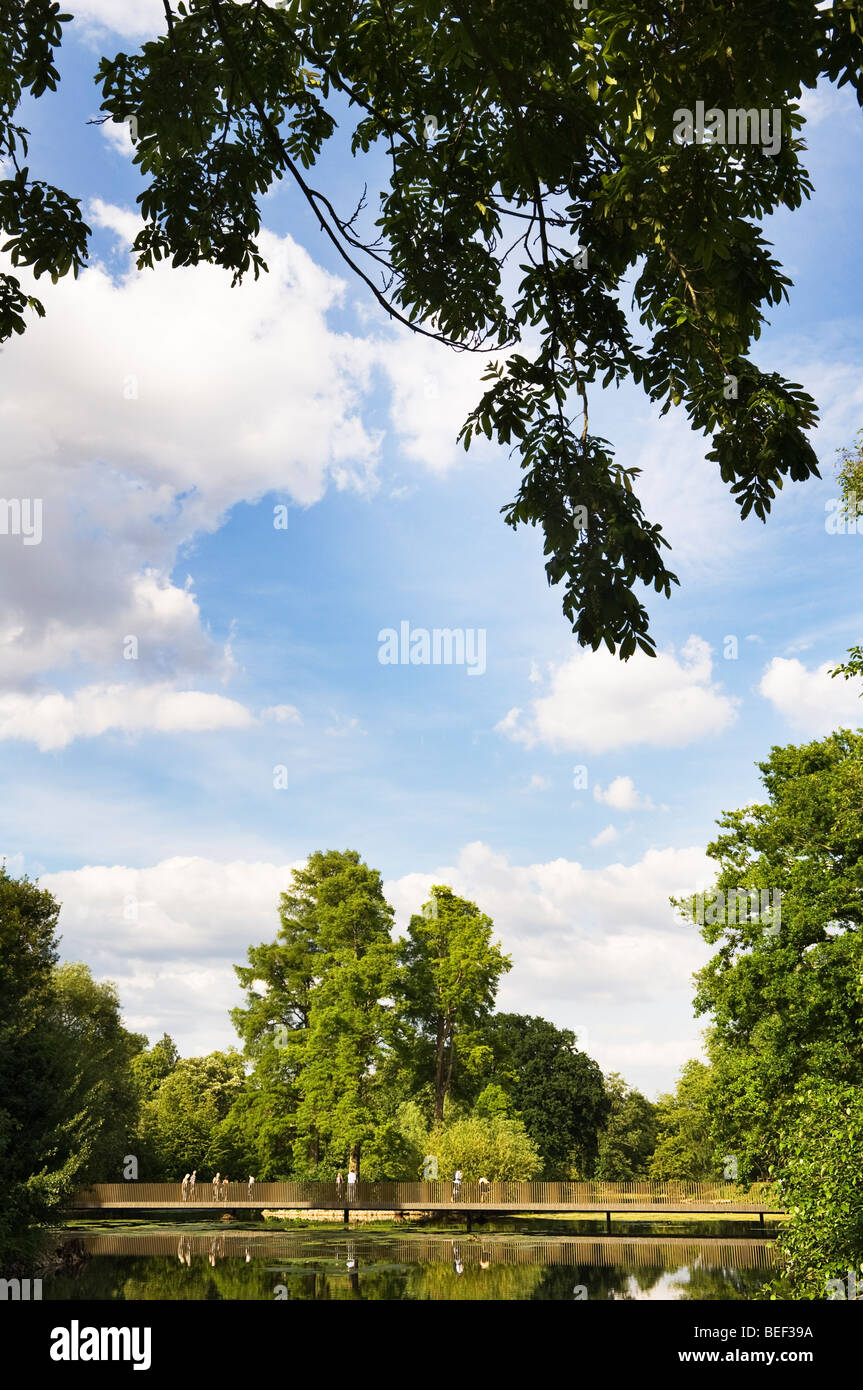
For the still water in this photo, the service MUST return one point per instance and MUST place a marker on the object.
(195, 1261)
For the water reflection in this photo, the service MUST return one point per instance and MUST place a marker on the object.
(319, 1265)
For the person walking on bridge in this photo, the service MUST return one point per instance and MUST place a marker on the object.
(216, 1181)
(352, 1184)
(225, 1189)
(192, 1181)
(340, 1186)
(251, 1187)
(185, 1188)
(456, 1184)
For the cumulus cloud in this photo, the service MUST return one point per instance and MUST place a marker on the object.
(622, 795)
(605, 837)
(599, 950)
(131, 18)
(283, 714)
(597, 702)
(140, 411)
(169, 935)
(811, 700)
(53, 720)
(432, 393)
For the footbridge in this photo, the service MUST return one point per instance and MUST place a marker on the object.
(394, 1198)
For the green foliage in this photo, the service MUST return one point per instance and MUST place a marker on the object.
(319, 1030)
(29, 1072)
(492, 1101)
(684, 1148)
(554, 153)
(821, 1177)
(391, 1155)
(451, 970)
(151, 1066)
(850, 479)
(96, 1053)
(557, 1090)
(180, 1128)
(42, 224)
(786, 1007)
(496, 1147)
(350, 1021)
(628, 1136)
(67, 1099)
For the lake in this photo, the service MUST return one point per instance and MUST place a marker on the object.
(506, 1261)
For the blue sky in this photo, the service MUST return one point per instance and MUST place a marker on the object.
(162, 417)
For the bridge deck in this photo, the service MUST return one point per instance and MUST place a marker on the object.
(498, 1197)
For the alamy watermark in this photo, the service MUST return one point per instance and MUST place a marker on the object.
(846, 1289)
(20, 1290)
(735, 126)
(442, 646)
(845, 515)
(22, 516)
(738, 905)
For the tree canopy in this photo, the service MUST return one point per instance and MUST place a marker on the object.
(449, 983)
(558, 1091)
(529, 175)
(782, 989)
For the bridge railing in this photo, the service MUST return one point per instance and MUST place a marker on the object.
(388, 1196)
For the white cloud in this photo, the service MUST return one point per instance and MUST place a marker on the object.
(597, 948)
(131, 18)
(141, 410)
(812, 701)
(597, 702)
(54, 720)
(622, 795)
(283, 714)
(538, 783)
(433, 392)
(119, 136)
(605, 837)
(183, 908)
(169, 935)
(343, 726)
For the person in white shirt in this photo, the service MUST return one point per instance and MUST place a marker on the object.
(352, 1184)
(186, 1188)
(456, 1184)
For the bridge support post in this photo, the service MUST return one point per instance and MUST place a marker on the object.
(346, 1216)
(468, 1223)
(608, 1223)
(761, 1218)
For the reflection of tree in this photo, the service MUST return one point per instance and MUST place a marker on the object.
(721, 1282)
(381, 1270)
(498, 1282)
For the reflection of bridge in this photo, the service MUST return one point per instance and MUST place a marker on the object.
(645, 1252)
(497, 1198)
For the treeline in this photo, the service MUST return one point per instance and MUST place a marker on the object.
(359, 1049)
(780, 1097)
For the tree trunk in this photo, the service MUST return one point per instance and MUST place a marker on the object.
(354, 1162)
(439, 1083)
